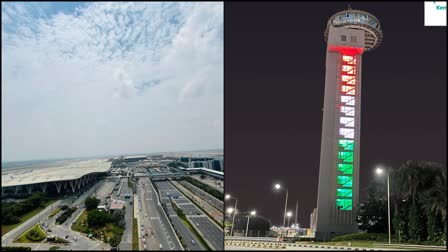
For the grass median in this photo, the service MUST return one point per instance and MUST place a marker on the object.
(135, 235)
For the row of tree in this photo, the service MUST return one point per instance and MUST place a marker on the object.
(418, 204)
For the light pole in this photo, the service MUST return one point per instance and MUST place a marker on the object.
(278, 187)
(380, 171)
(289, 214)
(234, 211)
(253, 212)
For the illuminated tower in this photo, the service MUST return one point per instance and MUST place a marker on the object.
(349, 34)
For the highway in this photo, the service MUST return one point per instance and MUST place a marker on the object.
(207, 197)
(162, 229)
(209, 230)
(190, 239)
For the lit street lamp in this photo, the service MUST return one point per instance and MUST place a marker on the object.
(234, 211)
(380, 171)
(289, 214)
(248, 218)
(278, 187)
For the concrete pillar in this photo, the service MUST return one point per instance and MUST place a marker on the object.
(58, 186)
(72, 185)
(29, 188)
(3, 190)
(43, 186)
(65, 184)
(16, 189)
(78, 183)
(83, 179)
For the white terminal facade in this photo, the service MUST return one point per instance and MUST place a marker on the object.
(349, 34)
(67, 177)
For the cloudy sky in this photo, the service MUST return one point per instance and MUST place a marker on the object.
(83, 79)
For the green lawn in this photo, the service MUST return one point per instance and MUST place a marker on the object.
(56, 211)
(135, 235)
(24, 239)
(25, 217)
(81, 223)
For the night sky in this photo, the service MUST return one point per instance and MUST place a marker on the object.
(274, 91)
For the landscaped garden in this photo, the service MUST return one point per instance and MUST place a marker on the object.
(35, 234)
(102, 225)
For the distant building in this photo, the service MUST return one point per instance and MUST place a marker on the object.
(216, 164)
(116, 205)
(134, 158)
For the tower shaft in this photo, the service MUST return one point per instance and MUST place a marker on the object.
(338, 190)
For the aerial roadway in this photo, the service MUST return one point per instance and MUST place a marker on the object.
(155, 222)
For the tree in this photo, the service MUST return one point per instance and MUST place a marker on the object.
(97, 218)
(372, 213)
(434, 199)
(91, 203)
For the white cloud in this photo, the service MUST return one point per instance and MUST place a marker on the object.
(111, 78)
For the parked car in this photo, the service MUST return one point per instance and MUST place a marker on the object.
(193, 242)
(66, 237)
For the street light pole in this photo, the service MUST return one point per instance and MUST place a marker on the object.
(233, 219)
(234, 212)
(248, 219)
(388, 206)
(380, 171)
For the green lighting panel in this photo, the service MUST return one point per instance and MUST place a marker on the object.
(346, 169)
(345, 181)
(346, 144)
(344, 204)
(346, 156)
(342, 192)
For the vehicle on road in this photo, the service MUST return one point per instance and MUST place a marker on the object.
(49, 230)
(197, 224)
(193, 242)
(66, 236)
(74, 238)
(160, 246)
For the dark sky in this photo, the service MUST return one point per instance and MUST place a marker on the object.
(274, 91)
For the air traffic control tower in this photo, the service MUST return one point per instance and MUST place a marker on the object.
(349, 34)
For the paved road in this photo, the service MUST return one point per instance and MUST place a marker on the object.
(159, 221)
(82, 243)
(207, 197)
(210, 230)
(190, 239)
(126, 239)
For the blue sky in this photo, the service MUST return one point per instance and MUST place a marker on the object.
(83, 79)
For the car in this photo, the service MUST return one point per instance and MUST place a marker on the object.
(197, 224)
(160, 246)
(144, 240)
(74, 238)
(66, 237)
(49, 230)
(193, 242)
